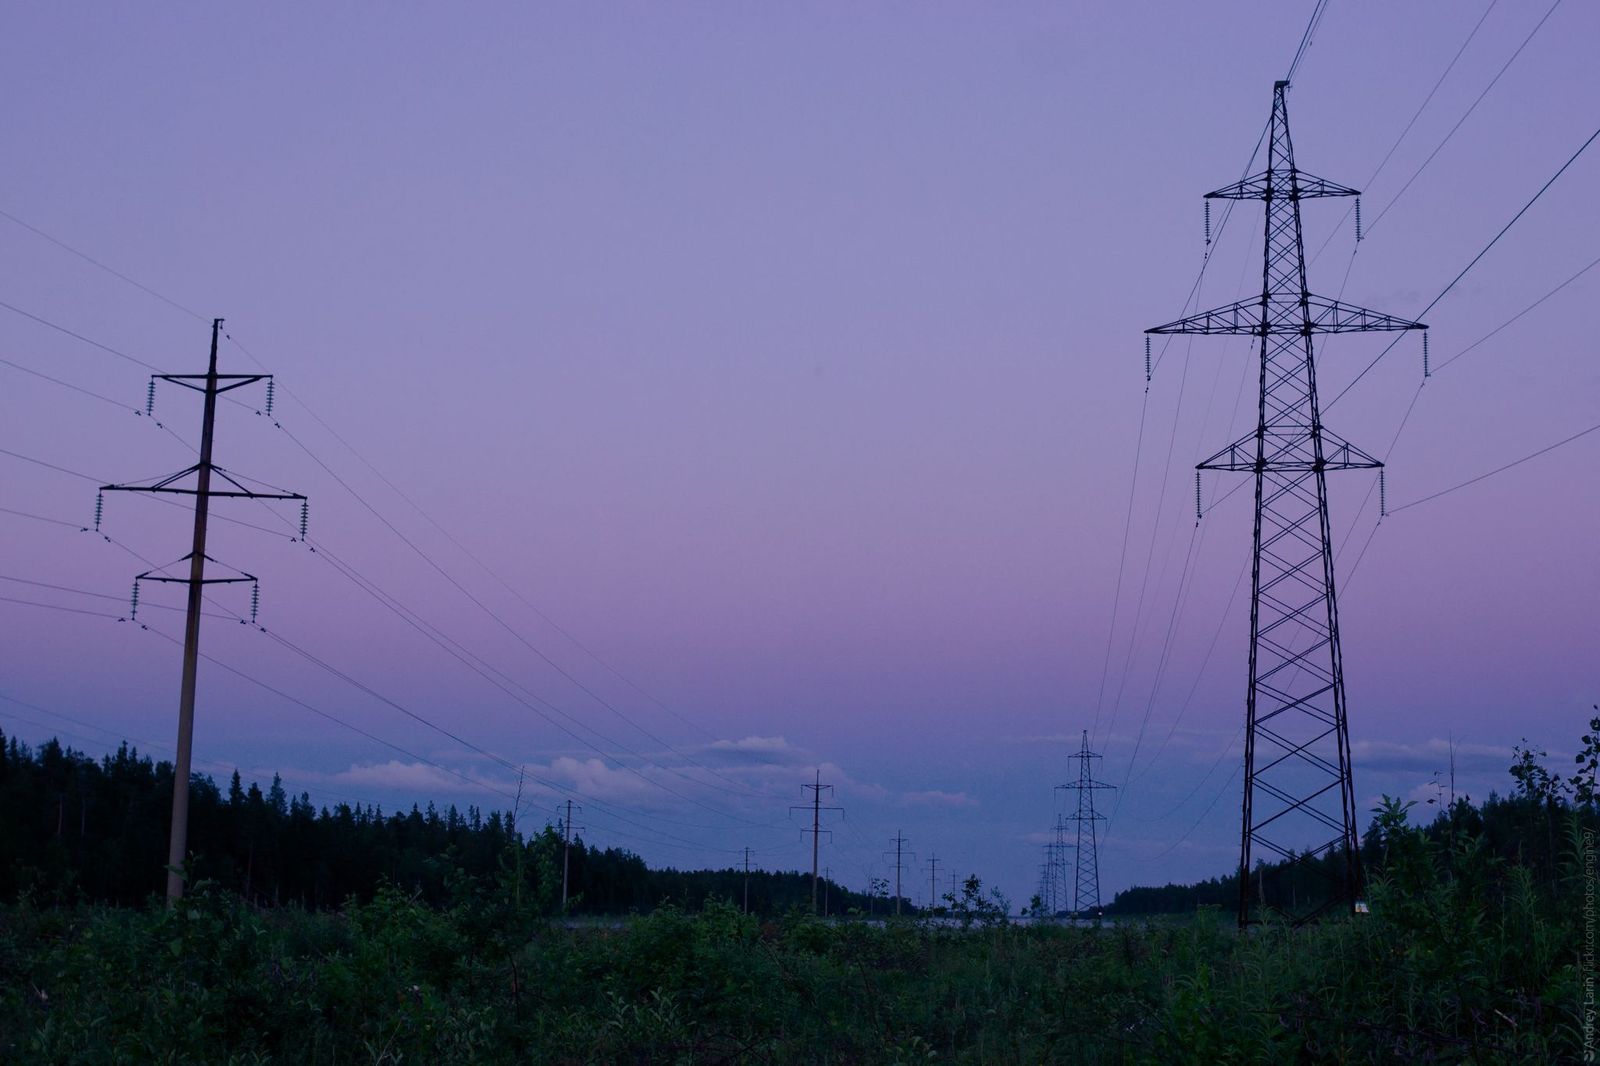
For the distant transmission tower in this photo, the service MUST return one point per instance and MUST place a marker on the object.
(1053, 871)
(211, 384)
(1299, 802)
(1086, 883)
(1058, 877)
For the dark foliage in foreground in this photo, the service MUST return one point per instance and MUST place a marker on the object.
(1472, 953)
(1466, 968)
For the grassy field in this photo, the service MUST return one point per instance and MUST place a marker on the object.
(1450, 976)
(1479, 948)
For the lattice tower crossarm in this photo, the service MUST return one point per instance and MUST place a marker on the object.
(1299, 800)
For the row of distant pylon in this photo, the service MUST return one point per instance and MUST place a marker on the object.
(1079, 895)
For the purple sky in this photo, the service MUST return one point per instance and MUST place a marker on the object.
(790, 359)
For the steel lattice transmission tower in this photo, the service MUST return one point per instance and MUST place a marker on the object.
(1086, 883)
(1299, 803)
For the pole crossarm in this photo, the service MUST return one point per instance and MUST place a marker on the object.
(151, 575)
(168, 484)
(234, 381)
(1304, 314)
(1285, 451)
(1261, 187)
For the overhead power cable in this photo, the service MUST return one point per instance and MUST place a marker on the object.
(108, 269)
(1475, 259)
(474, 557)
(605, 808)
(79, 336)
(1474, 106)
(1338, 226)
(570, 637)
(1497, 470)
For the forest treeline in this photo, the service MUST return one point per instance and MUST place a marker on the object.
(1528, 829)
(81, 830)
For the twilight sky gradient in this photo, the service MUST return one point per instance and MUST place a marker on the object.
(782, 367)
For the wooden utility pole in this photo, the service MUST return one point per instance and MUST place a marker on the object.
(899, 856)
(566, 852)
(816, 829)
(211, 384)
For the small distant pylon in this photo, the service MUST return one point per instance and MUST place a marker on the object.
(1053, 894)
(1086, 882)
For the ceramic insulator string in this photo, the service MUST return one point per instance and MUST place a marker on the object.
(133, 610)
(1197, 512)
(1147, 363)
(150, 397)
(1208, 223)
(1358, 220)
(1383, 494)
(255, 601)
(305, 516)
(99, 509)
(270, 385)
(1427, 371)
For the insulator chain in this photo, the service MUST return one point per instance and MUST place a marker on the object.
(1383, 494)
(1147, 364)
(305, 516)
(1197, 512)
(255, 601)
(133, 610)
(270, 387)
(1358, 220)
(150, 397)
(1208, 223)
(1427, 371)
(99, 509)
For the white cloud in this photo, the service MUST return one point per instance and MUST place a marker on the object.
(755, 749)
(416, 777)
(936, 798)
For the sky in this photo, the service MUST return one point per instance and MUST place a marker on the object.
(694, 398)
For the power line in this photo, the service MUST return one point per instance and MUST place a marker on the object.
(95, 262)
(512, 630)
(1397, 141)
(150, 745)
(474, 558)
(1592, 264)
(79, 336)
(1306, 38)
(49, 466)
(1496, 470)
(69, 385)
(1474, 106)
(475, 600)
(1485, 251)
